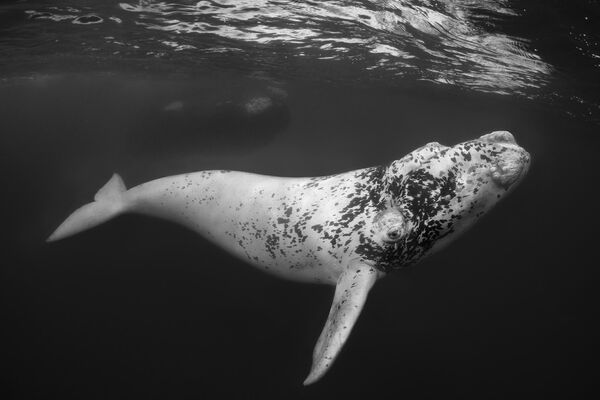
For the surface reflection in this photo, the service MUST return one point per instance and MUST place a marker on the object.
(444, 42)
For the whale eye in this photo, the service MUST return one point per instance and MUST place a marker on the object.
(393, 234)
(390, 226)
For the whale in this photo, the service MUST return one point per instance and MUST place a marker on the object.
(347, 230)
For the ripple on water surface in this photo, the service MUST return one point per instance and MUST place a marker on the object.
(437, 41)
(488, 46)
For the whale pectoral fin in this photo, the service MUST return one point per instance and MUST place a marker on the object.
(350, 296)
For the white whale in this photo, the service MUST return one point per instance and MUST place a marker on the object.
(347, 230)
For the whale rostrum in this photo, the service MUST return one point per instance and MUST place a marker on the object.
(348, 229)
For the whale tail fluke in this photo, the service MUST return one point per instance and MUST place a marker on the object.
(107, 204)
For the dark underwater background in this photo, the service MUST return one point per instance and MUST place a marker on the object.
(143, 309)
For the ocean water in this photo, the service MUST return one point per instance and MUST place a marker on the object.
(141, 308)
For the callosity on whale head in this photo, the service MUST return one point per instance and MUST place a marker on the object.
(436, 192)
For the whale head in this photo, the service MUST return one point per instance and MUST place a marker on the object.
(437, 192)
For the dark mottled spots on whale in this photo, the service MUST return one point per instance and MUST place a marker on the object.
(271, 243)
(283, 220)
(317, 228)
(301, 236)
